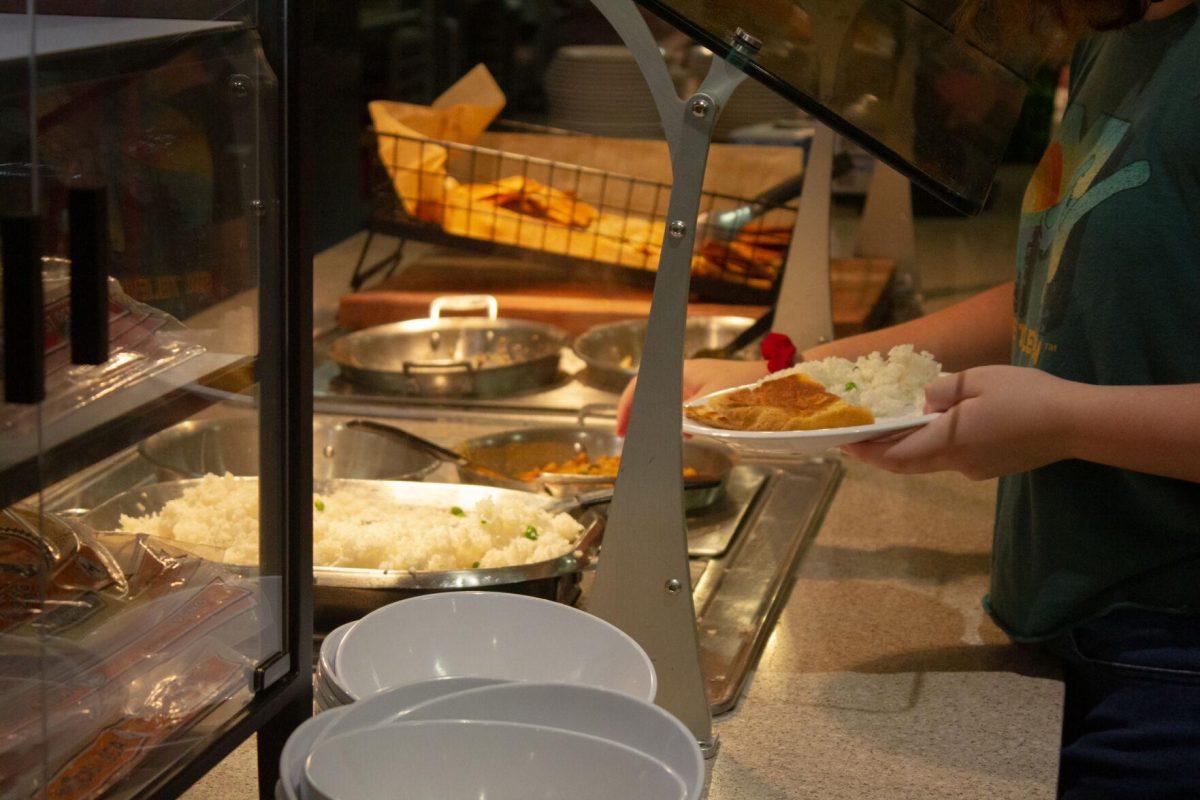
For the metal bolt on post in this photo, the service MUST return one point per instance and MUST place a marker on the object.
(745, 42)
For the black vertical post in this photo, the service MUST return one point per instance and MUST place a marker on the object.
(285, 368)
(88, 219)
(24, 314)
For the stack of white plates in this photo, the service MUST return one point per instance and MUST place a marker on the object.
(474, 694)
(599, 89)
(508, 742)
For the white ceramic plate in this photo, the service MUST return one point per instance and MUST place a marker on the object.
(583, 709)
(497, 760)
(784, 445)
(490, 635)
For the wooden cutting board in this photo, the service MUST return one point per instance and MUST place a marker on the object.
(541, 294)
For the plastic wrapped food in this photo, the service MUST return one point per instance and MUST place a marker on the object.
(126, 642)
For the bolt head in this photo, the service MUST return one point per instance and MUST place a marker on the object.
(239, 85)
(701, 106)
(677, 229)
(673, 586)
(743, 39)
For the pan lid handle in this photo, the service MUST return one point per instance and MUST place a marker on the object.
(437, 366)
(606, 411)
(464, 302)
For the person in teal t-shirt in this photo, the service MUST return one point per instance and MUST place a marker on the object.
(1088, 408)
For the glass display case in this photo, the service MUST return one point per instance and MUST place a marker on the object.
(156, 295)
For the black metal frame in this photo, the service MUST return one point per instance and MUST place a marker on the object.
(284, 699)
(283, 685)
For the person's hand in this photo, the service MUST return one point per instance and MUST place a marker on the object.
(997, 421)
(700, 377)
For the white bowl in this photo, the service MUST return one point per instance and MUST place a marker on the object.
(296, 749)
(392, 704)
(583, 709)
(490, 635)
(445, 759)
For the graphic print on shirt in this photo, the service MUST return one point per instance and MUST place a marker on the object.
(1077, 173)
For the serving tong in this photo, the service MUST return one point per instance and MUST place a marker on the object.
(760, 326)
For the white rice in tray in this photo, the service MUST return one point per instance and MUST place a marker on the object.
(355, 527)
(889, 387)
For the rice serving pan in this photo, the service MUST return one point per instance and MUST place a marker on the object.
(452, 357)
(342, 594)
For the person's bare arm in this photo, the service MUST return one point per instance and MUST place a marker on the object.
(973, 333)
(1001, 420)
(1153, 429)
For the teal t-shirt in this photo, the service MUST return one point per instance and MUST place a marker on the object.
(1108, 293)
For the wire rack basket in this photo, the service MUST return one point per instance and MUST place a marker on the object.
(522, 206)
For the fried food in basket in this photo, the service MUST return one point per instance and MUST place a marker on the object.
(776, 236)
(794, 402)
(416, 145)
(755, 255)
(516, 212)
(529, 197)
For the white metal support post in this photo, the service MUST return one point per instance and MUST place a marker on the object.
(803, 311)
(887, 231)
(643, 582)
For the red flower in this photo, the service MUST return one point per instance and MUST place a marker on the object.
(778, 350)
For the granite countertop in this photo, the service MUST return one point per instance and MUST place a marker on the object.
(883, 677)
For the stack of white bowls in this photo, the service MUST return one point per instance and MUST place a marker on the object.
(328, 691)
(484, 694)
(598, 89)
(477, 635)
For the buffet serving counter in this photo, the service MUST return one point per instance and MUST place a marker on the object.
(882, 677)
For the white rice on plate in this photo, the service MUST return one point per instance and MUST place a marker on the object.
(890, 387)
(356, 528)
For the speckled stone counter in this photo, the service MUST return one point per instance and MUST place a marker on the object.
(883, 677)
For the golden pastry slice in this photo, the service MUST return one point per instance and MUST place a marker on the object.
(791, 403)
